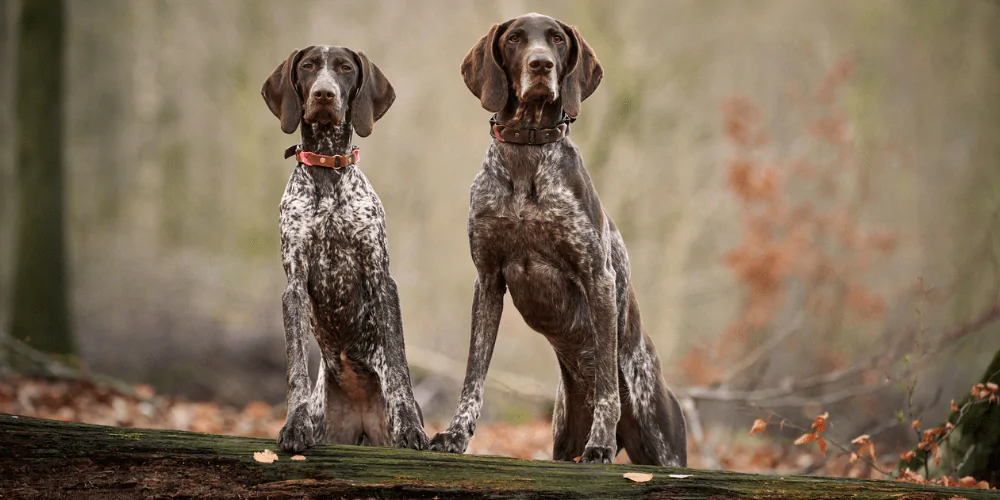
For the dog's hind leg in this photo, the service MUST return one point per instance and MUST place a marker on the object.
(571, 422)
(652, 427)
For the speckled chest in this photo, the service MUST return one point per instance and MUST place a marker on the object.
(526, 210)
(345, 224)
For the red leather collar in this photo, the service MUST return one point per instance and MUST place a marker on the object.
(335, 162)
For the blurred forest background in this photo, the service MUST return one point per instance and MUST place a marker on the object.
(806, 190)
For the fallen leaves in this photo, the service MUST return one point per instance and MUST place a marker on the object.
(298, 457)
(638, 477)
(908, 476)
(266, 456)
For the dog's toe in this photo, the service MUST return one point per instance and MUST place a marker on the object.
(597, 455)
(414, 438)
(451, 442)
(297, 434)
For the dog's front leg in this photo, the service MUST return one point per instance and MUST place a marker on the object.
(389, 362)
(299, 431)
(601, 445)
(487, 306)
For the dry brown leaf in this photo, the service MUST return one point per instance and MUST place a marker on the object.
(822, 445)
(906, 457)
(983, 485)
(819, 423)
(854, 458)
(868, 448)
(266, 456)
(758, 427)
(915, 424)
(298, 457)
(806, 438)
(954, 407)
(862, 439)
(639, 477)
(992, 386)
(576, 459)
(967, 482)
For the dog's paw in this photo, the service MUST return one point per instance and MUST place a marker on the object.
(597, 455)
(450, 441)
(411, 436)
(298, 433)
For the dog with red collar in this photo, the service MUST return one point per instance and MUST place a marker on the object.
(336, 260)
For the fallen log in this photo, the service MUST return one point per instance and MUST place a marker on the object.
(51, 459)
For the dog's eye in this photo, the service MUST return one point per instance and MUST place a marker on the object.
(558, 39)
(346, 69)
(514, 38)
(307, 66)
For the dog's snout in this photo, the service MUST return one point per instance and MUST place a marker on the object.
(540, 62)
(325, 94)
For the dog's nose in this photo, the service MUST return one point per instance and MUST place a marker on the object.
(325, 95)
(540, 63)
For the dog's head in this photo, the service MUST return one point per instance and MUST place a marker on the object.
(532, 58)
(328, 85)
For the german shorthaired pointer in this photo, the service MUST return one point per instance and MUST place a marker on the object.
(334, 251)
(537, 227)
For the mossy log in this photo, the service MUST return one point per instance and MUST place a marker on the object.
(49, 459)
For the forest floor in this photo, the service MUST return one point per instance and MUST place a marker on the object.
(88, 402)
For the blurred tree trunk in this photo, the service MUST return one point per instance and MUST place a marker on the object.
(8, 47)
(40, 314)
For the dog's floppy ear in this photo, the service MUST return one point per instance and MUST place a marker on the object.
(482, 72)
(583, 72)
(373, 97)
(281, 93)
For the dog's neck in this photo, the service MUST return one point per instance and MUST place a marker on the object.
(327, 139)
(534, 114)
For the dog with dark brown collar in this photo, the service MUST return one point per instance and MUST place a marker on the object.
(336, 260)
(537, 228)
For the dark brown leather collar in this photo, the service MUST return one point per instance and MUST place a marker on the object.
(335, 162)
(530, 135)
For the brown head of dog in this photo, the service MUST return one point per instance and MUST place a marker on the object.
(524, 66)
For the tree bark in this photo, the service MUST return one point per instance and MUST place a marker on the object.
(49, 459)
(40, 313)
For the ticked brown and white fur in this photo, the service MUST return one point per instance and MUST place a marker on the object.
(537, 228)
(336, 260)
